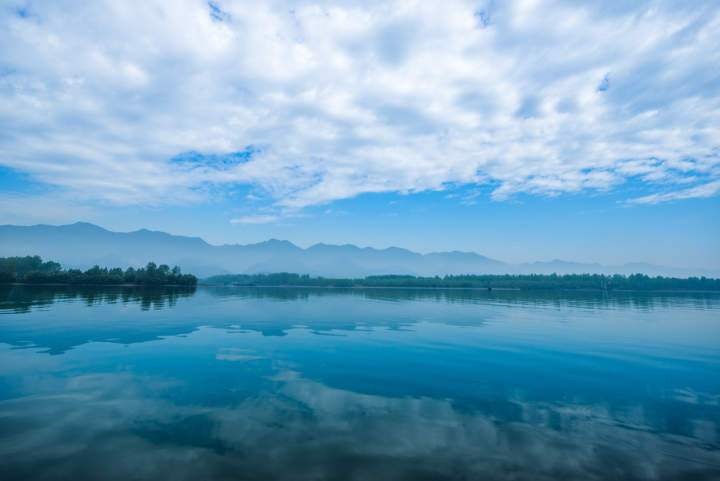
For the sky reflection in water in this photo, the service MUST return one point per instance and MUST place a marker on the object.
(228, 383)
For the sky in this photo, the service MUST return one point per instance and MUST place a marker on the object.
(521, 130)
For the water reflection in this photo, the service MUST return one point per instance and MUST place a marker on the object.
(538, 298)
(228, 383)
(145, 314)
(119, 426)
(22, 298)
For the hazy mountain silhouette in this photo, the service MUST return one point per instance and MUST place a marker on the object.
(83, 245)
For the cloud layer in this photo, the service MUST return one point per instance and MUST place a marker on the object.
(309, 102)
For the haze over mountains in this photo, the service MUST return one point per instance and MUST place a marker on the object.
(82, 245)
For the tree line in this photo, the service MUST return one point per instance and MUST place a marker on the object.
(640, 282)
(33, 270)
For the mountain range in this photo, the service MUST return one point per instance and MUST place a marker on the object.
(82, 245)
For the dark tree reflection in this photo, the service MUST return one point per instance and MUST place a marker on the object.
(23, 298)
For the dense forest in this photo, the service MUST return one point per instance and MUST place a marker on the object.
(32, 270)
(531, 281)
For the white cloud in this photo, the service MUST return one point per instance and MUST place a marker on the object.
(255, 219)
(704, 190)
(344, 98)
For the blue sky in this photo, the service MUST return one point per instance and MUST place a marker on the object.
(525, 130)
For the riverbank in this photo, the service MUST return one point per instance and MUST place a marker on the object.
(75, 284)
(487, 289)
(598, 282)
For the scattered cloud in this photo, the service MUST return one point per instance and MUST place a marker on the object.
(704, 190)
(255, 219)
(102, 99)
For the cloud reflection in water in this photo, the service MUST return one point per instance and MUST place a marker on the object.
(423, 386)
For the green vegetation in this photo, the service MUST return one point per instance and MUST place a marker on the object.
(532, 281)
(32, 270)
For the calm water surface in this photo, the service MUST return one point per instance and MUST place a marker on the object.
(300, 384)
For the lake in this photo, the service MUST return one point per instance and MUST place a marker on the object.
(344, 384)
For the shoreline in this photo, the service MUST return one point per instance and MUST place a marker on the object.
(67, 284)
(485, 289)
(359, 287)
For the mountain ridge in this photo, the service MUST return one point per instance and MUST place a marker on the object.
(84, 244)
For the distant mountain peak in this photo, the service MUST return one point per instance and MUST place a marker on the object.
(85, 225)
(276, 242)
